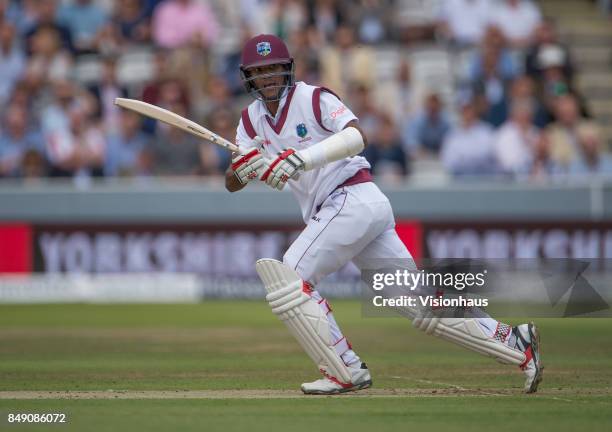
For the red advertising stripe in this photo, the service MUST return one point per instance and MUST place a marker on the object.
(15, 248)
(411, 233)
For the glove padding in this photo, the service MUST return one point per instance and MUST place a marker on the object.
(249, 166)
(286, 166)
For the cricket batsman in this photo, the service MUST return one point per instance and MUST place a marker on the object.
(304, 137)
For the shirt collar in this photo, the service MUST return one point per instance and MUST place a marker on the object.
(281, 104)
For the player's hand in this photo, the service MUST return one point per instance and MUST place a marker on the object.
(287, 165)
(249, 166)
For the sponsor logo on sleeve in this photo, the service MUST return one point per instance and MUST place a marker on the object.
(338, 112)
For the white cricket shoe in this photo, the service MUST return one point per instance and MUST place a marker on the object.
(528, 341)
(329, 385)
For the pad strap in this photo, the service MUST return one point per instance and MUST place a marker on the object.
(467, 333)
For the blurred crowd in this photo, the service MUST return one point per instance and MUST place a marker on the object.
(506, 106)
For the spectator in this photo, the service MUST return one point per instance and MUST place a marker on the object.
(126, 152)
(306, 56)
(109, 41)
(425, 133)
(535, 60)
(54, 117)
(105, 93)
(523, 88)
(73, 144)
(174, 152)
(517, 20)
(491, 73)
(371, 19)
(172, 91)
(21, 96)
(550, 62)
(20, 13)
(492, 93)
(325, 16)
(189, 29)
(563, 134)
(493, 54)
(397, 96)
(516, 140)
(150, 6)
(131, 20)
(85, 19)
(46, 12)
(405, 90)
(468, 149)
(48, 61)
(16, 139)
(345, 62)
(162, 71)
(362, 105)
(164, 92)
(237, 18)
(33, 165)
(287, 16)
(464, 22)
(492, 70)
(178, 23)
(542, 166)
(12, 61)
(553, 80)
(415, 22)
(218, 98)
(385, 152)
(80, 151)
(590, 159)
(215, 159)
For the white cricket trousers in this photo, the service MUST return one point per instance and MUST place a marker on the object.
(354, 223)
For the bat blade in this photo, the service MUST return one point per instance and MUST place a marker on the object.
(175, 120)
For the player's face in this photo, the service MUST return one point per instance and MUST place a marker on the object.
(269, 80)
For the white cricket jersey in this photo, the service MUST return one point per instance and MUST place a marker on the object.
(306, 116)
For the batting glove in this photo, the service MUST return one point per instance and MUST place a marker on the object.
(286, 166)
(249, 166)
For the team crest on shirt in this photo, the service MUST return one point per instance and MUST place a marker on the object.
(264, 48)
(301, 130)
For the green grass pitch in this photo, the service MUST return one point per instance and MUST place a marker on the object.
(224, 365)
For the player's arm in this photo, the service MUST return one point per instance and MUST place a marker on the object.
(247, 165)
(355, 124)
(350, 141)
(232, 183)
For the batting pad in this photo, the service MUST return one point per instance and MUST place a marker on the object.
(467, 333)
(304, 318)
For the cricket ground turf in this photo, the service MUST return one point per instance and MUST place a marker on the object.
(223, 365)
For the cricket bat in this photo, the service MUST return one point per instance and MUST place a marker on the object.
(175, 120)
